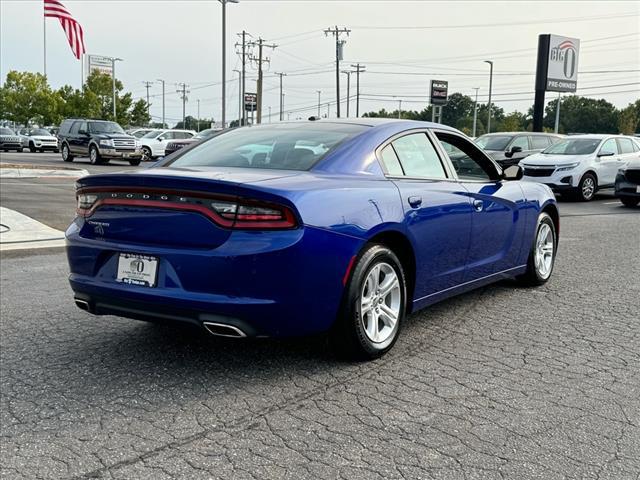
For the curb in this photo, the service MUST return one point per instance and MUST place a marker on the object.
(19, 232)
(40, 172)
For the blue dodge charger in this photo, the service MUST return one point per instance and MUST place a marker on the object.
(304, 227)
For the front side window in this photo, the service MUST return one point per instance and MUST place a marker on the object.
(609, 147)
(521, 142)
(418, 157)
(469, 162)
(280, 146)
(75, 128)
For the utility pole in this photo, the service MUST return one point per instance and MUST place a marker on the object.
(162, 82)
(359, 69)
(348, 74)
(319, 92)
(281, 97)
(400, 108)
(198, 119)
(243, 54)
(475, 112)
(260, 60)
(336, 32)
(183, 95)
(490, 87)
(328, 109)
(147, 85)
(239, 72)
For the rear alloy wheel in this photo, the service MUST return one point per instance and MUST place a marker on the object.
(630, 201)
(146, 154)
(543, 253)
(587, 187)
(94, 155)
(66, 154)
(374, 306)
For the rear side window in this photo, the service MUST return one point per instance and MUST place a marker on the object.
(625, 145)
(469, 162)
(610, 146)
(418, 157)
(538, 142)
(390, 161)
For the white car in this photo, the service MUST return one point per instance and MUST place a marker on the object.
(581, 164)
(140, 132)
(154, 142)
(39, 139)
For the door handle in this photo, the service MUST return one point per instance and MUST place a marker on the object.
(478, 205)
(415, 202)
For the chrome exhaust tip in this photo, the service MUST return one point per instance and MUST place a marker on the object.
(82, 304)
(223, 330)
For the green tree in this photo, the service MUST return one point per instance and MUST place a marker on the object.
(582, 115)
(139, 116)
(101, 85)
(191, 123)
(629, 119)
(514, 122)
(26, 97)
(459, 107)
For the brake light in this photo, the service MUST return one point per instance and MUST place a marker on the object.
(225, 211)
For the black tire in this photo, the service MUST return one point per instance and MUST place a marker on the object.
(146, 154)
(32, 147)
(630, 201)
(94, 155)
(134, 162)
(533, 277)
(349, 336)
(66, 153)
(583, 192)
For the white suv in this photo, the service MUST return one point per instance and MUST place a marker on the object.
(154, 142)
(581, 164)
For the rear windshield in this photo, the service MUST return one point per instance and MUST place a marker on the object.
(285, 146)
(577, 146)
(493, 142)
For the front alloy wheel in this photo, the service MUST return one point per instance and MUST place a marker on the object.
(543, 253)
(587, 187)
(146, 154)
(66, 155)
(373, 306)
(94, 155)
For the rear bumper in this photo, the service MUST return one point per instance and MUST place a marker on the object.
(281, 283)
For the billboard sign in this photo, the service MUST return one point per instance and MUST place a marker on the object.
(250, 102)
(562, 64)
(100, 63)
(439, 89)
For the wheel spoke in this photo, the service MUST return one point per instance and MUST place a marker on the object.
(372, 326)
(390, 282)
(388, 316)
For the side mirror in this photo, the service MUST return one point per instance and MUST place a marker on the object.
(161, 139)
(514, 172)
(605, 154)
(514, 149)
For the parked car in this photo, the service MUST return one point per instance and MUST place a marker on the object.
(39, 139)
(140, 132)
(175, 145)
(628, 184)
(508, 148)
(581, 165)
(99, 140)
(154, 142)
(348, 240)
(10, 140)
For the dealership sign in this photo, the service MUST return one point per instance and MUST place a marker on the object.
(439, 89)
(250, 102)
(562, 64)
(99, 63)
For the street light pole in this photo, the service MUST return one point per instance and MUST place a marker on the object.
(557, 125)
(198, 120)
(490, 88)
(113, 84)
(348, 74)
(319, 92)
(224, 57)
(475, 112)
(162, 82)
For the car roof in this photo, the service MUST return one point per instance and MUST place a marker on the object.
(522, 133)
(594, 136)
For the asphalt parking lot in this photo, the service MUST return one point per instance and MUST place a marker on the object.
(503, 382)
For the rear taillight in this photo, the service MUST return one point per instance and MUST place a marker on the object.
(225, 211)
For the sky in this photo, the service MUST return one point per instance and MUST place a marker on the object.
(404, 44)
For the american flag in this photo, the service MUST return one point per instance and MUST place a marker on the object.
(73, 30)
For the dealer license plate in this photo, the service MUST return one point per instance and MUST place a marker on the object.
(137, 269)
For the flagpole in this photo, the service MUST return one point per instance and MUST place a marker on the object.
(44, 37)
